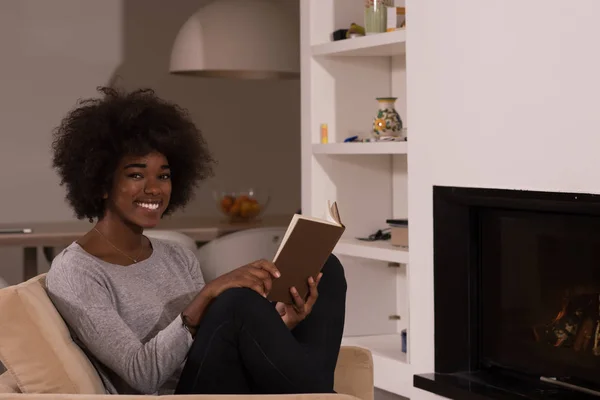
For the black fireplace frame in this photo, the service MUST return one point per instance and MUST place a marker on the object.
(455, 212)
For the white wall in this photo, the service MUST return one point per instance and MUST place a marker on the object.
(501, 94)
(54, 52)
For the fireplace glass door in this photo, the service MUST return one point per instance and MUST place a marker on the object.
(540, 291)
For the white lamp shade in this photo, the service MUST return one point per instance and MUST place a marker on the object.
(250, 39)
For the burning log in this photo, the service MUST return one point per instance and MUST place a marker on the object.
(575, 324)
(596, 348)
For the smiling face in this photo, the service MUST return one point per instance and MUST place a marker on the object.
(141, 190)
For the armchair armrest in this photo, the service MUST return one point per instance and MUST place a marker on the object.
(8, 383)
(354, 373)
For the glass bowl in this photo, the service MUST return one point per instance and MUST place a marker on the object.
(242, 205)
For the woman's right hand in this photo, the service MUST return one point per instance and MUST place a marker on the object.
(257, 276)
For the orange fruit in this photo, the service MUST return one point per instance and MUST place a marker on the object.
(255, 209)
(234, 210)
(242, 198)
(246, 209)
(226, 203)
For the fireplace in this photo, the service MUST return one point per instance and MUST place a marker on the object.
(517, 295)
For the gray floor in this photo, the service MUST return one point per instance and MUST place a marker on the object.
(383, 395)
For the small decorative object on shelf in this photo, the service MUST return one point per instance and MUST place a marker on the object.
(381, 234)
(356, 139)
(395, 18)
(324, 134)
(340, 34)
(355, 30)
(387, 123)
(400, 138)
(399, 232)
(376, 15)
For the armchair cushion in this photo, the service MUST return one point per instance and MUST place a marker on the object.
(354, 373)
(8, 384)
(36, 346)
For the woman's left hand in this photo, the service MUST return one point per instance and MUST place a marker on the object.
(293, 314)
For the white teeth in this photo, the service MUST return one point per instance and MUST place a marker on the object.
(149, 206)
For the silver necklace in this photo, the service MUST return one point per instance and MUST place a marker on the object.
(135, 260)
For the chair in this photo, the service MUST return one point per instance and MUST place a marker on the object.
(231, 251)
(3, 284)
(44, 363)
(56, 366)
(172, 236)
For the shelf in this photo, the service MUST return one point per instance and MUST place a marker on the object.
(385, 346)
(361, 148)
(382, 44)
(377, 250)
(391, 370)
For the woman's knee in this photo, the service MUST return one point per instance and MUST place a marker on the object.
(242, 301)
(236, 296)
(334, 270)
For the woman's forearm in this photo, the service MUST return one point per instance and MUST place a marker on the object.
(193, 313)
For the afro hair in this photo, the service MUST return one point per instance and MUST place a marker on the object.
(93, 137)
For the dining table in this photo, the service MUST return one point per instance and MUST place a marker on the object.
(32, 236)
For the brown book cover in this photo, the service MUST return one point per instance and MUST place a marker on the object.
(303, 251)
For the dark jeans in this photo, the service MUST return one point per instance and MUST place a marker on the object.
(243, 347)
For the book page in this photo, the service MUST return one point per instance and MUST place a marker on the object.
(334, 212)
(332, 219)
(288, 232)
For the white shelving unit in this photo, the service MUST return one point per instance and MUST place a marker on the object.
(381, 251)
(340, 83)
(388, 45)
(361, 148)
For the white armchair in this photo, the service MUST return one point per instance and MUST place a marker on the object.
(172, 236)
(228, 252)
(3, 284)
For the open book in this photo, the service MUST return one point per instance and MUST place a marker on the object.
(303, 251)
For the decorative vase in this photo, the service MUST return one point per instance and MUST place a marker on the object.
(387, 123)
(376, 15)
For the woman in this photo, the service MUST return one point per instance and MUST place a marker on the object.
(139, 307)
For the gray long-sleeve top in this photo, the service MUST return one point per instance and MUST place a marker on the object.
(126, 318)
